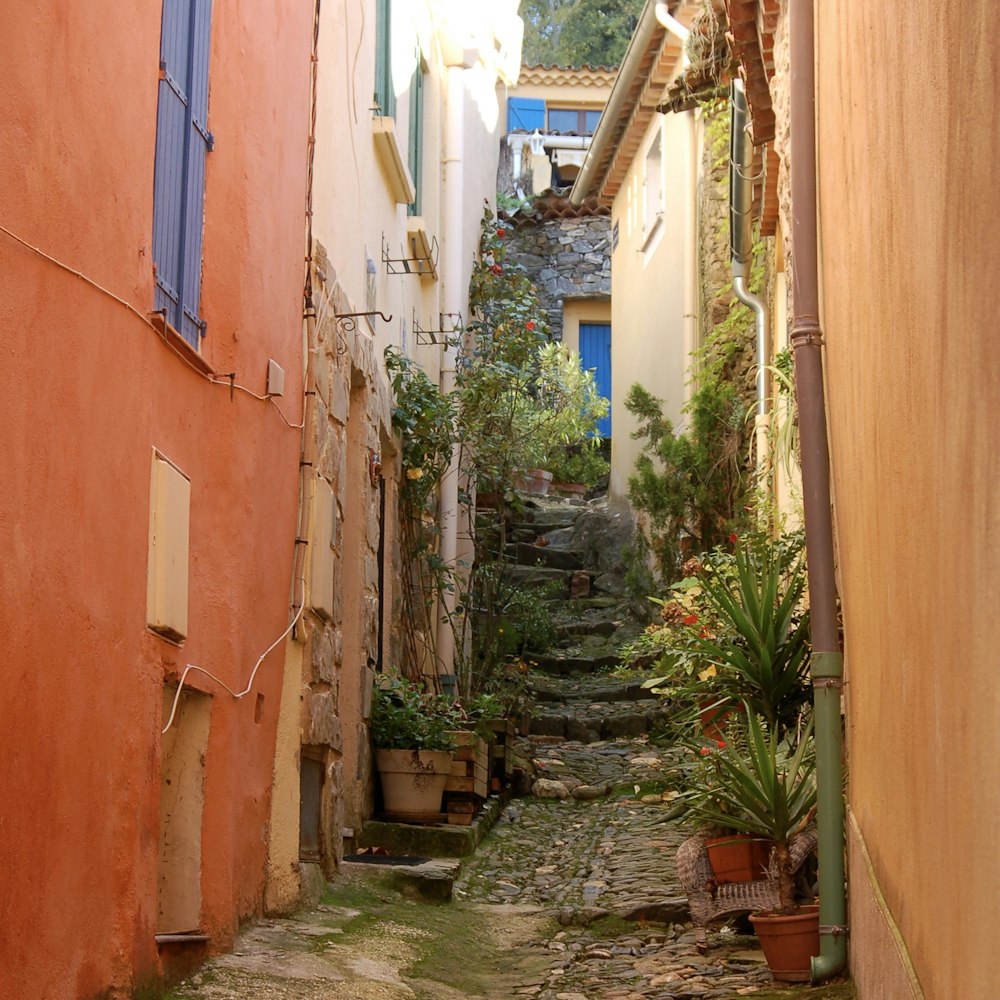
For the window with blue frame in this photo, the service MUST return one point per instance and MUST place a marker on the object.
(182, 144)
(573, 119)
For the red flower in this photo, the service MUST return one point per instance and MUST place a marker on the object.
(501, 233)
(496, 269)
(530, 325)
(703, 634)
(690, 619)
(721, 744)
(732, 537)
(704, 751)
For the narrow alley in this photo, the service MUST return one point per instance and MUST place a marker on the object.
(573, 894)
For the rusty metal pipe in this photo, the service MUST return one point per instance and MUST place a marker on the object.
(807, 348)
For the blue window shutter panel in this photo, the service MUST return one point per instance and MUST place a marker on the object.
(525, 112)
(182, 143)
(595, 353)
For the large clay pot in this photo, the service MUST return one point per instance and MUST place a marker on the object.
(413, 780)
(739, 857)
(788, 942)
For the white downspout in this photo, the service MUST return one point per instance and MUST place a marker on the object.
(453, 299)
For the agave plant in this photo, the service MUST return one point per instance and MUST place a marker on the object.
(761, 784)
(762, 650)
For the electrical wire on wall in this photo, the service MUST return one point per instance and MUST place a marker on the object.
(229, 381)
(253, 673)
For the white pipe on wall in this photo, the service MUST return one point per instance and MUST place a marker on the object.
(453, 301)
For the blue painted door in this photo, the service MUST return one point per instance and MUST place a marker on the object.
(595, 353)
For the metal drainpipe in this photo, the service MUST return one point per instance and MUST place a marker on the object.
(453, 294)
(827, 658)
(741, 246)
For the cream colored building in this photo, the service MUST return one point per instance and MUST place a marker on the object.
(408, 111)
(644, 165)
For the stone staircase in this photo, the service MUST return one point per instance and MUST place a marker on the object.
(575, 549)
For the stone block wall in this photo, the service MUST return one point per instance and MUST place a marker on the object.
(348, 430)
(566, 259)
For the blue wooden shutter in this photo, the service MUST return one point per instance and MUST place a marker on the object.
(595, 353)
(525, 112)
(182, 142)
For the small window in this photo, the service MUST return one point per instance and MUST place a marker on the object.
(653, 185)
(573, 119)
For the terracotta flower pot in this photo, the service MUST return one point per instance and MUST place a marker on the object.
(413, 780)
(788, 942)
(739, 857)
(534, 481)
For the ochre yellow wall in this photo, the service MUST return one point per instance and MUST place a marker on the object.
(653, 325)
(577, 311)
(909, 146)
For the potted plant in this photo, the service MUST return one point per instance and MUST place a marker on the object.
(750, 634)
(764, 785)
(577, 468)
(412, 732)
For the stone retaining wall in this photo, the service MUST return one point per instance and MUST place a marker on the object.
(566, 259)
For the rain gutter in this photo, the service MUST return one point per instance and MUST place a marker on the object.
(807, 346)
(741, 247)
(605, 134)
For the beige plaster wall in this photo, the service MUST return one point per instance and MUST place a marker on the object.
(908, 146)
(349, 413)
(563, 95)
(654, 326)
(577, 311)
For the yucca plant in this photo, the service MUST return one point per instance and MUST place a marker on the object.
(762, 650)
(762, 784)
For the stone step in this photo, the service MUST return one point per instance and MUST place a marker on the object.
(587, 626)
(543, 555)
(612, 693)
(555, 663)
(597, 721)
(537, 576)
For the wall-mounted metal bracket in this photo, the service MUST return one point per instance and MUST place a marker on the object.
(448, 330)
(422, 256)
(348, 323)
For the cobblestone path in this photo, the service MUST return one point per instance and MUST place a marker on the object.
(605, 870)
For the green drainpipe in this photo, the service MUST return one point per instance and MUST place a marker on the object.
(827, 675)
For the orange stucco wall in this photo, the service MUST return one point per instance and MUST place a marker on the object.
(908, 151)
(89, 391)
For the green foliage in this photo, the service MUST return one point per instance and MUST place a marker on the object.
(733, 629)
(406, 717)
(578, 32)
(759, 783)
(692, 482)
(425, 421)
(760, 645)
(582, 463)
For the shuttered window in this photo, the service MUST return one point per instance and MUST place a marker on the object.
(182, 142)
(385, 96)
(415, 144)
(525, 113)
